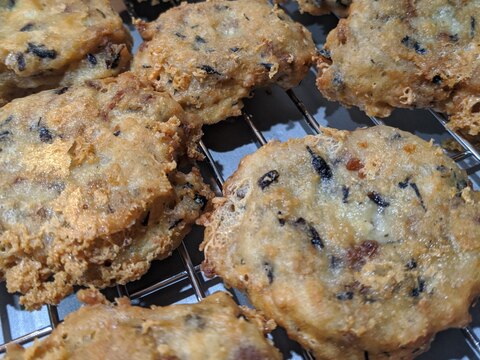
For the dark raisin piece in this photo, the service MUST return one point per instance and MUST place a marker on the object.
(41, 51)
(145, 219)
(347, 295)
(267, 66)
(378, 199)
(92, 59)
(20, 61)
(267, 179)
(116, 133)
(209, 70)
(234, 49)
(175, 223)
(345, 194)
(200, 200)
(437, 79)
(269, 271)
(411, 264)
(320, 165)
(315, 237)
(61, 91)
(200, 40)
(4, 135)
(180, 35)
(27, 27)
(45, 135)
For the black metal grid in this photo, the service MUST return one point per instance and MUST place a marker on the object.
(190, 273)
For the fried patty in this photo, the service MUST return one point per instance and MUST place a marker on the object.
(362, 244)
(211, 55)
(215, 328)
(50, 43)
(90, 191)
(408, 54)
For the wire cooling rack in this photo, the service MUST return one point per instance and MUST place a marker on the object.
(271, 114)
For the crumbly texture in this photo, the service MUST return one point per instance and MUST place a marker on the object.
(50, 43)
(211, 55)
(321, 7)
(360, 244)
(408, 54)
(215, 328)
(89, 188)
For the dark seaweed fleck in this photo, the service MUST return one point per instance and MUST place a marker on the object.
(472, 26)
(180, 35)
(414, 45)
(453, 38)
(403, 184)
(234, 49)
(365, 355)
(325, 53)
(145, 66)
(145, 219)
(92, 59)
(396, 136)
(267, 179)
(45, 135)
(411, 264)
(27, 27)
(320, 165)
(315, 237)
(4, 135)
(10, 4)
(101, 13)
(246, 17)
(116, 133)
(345, 193)
(281, 221)
(417, 193)
(437, 79)
(7, 120)
(220, 7)
(338, 80)
(175, 223)
(378, 199)
(334, 262)
(61, 91)
(195, 320)
(20, 61)
(200, 200)
(41, 51)
(346, 295)
(269, 270)
(419, 289)
(200, 40)
(441, 168)
(209, 70)
(267, 66)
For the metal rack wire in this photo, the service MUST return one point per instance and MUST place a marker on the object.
(192, 274)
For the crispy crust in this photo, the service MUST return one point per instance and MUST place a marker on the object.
(210, 55)
(355, 242)
(422, 54)
(40, 46)
(215, 328)
(90, 189)
(321, 7)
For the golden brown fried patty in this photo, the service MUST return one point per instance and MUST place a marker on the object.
(215, 328)
(89, 189)
(361, 244)
(420, 54)
(50, 43)
(210, 55)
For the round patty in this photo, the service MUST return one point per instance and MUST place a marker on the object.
(361, 244)
(210, 55)
(89, 189)
(50, 43)
(215, 328)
